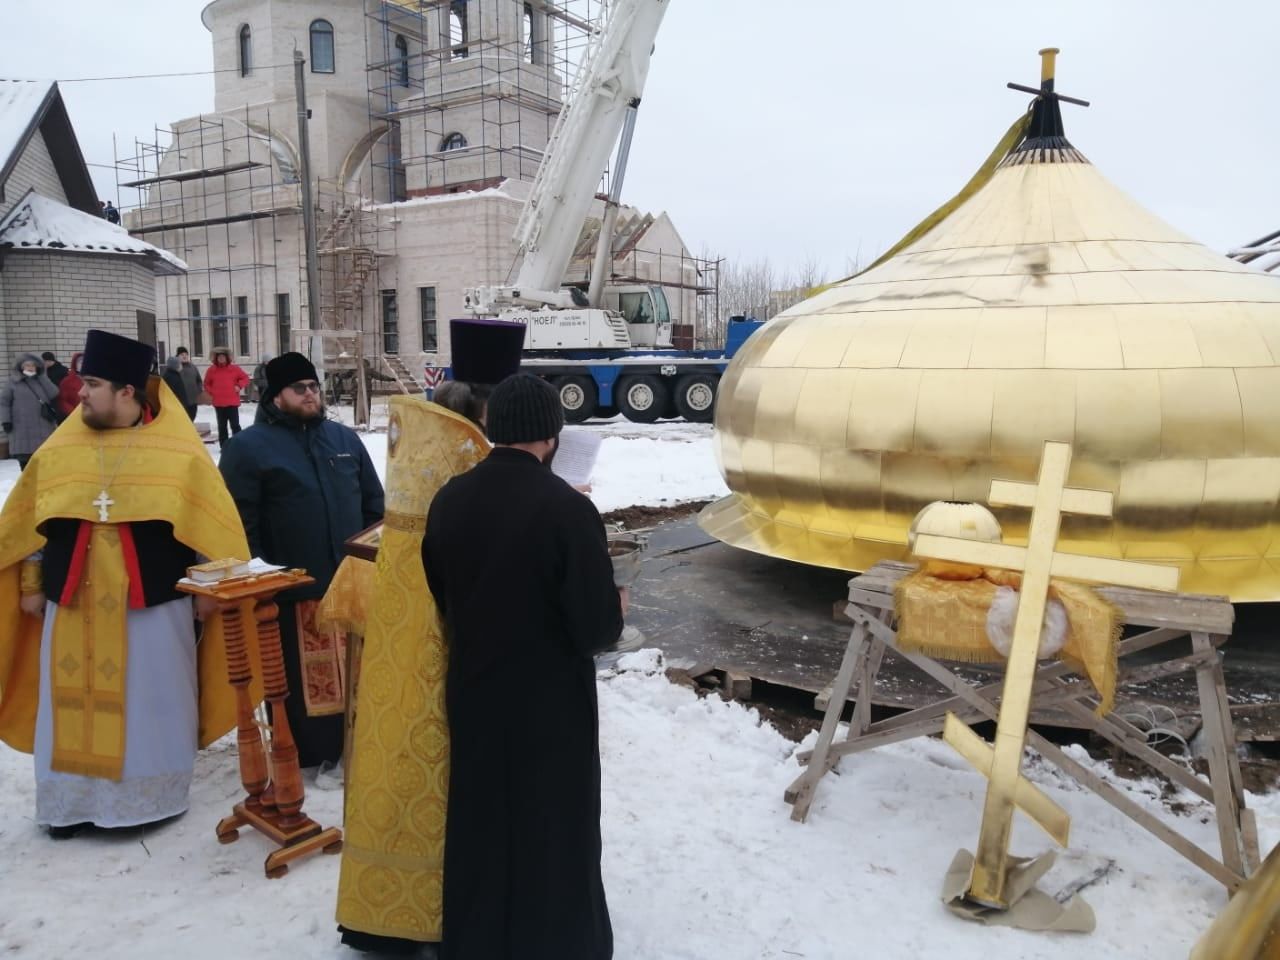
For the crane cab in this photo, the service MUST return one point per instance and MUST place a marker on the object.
(645, 311)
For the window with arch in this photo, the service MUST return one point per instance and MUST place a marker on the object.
(402, 60)
(457, 28)
(246, 50)
(454, 141)
(321, 46)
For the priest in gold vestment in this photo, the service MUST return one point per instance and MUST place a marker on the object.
(101, 676)
(390, 888)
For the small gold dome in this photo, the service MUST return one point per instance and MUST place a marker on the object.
(946, 518)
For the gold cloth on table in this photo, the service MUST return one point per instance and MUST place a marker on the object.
(345, 604)
(947, 619)
(391, 881)
(165, 474)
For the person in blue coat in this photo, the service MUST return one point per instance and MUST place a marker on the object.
(303, 484)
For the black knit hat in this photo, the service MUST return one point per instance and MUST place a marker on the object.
(485, 351)
(110, 356)
(286, 369)
(523, 409)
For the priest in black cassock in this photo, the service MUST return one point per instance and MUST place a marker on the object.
(518, 563)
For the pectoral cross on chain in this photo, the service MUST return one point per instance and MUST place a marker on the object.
(102, 503)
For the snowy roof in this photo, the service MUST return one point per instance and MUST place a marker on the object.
(36, 222)
(21, 103)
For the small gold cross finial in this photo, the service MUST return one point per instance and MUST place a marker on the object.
(1048, 499)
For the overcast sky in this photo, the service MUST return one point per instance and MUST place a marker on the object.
(825, 129)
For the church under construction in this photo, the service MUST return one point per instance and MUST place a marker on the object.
(428, 120)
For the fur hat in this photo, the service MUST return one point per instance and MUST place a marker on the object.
(286, 369)
(523, 409)
(485, 351)
(109, 356)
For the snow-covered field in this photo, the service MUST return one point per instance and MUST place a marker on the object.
(701, 859)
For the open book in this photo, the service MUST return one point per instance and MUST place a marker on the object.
(575, 458)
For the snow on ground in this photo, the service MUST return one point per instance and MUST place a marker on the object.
(701, 860)
(639, 464)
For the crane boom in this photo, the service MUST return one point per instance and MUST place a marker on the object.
(610, 79)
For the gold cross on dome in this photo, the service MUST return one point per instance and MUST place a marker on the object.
(1001, 763)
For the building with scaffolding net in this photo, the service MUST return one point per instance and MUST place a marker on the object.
(428, 120)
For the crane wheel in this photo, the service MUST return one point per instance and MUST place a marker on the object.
(642, 399)
(695, 397)
(577, 397)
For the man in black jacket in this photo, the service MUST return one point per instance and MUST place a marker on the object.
(303, 485)
(519, 566)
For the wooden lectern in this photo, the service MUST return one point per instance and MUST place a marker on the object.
(274, 792)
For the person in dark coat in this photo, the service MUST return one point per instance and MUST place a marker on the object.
(192, 382)
(54, 370)
(303, 484)
(172, 376)
(260, 378)
(518, 563)
(28, 408)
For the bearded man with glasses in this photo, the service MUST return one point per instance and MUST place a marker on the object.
(303, 484)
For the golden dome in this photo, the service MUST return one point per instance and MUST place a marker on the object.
(1048, 306)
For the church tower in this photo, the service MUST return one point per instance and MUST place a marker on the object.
(469, 89)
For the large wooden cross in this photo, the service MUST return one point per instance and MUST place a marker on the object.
(1048, 499)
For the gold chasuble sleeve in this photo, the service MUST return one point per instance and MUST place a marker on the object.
(391, 879)
(164, 473)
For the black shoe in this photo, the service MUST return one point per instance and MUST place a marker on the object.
(67, 832)
(386, 946)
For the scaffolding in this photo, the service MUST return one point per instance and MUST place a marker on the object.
(222, 216)
(434, 61)
(223, 191)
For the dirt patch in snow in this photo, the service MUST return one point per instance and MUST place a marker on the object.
(638, 518)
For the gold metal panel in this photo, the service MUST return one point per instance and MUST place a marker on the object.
(828, 339)
(775, 416)
(1201, 414)
(953, 412)
(1030, 407)
(824, 391)
(1154, 336)
(1227, 336)
(1118, 414)
(1260, 409)
(882, 412)
(940, 338)
(1240, 498)
(879, 343)
(790, 338)
(1009, 338)
(1081, 338)
(851, 484)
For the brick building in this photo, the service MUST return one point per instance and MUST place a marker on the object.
(63, 268)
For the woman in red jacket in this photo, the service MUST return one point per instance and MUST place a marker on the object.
(224, 381)
(69, 387)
